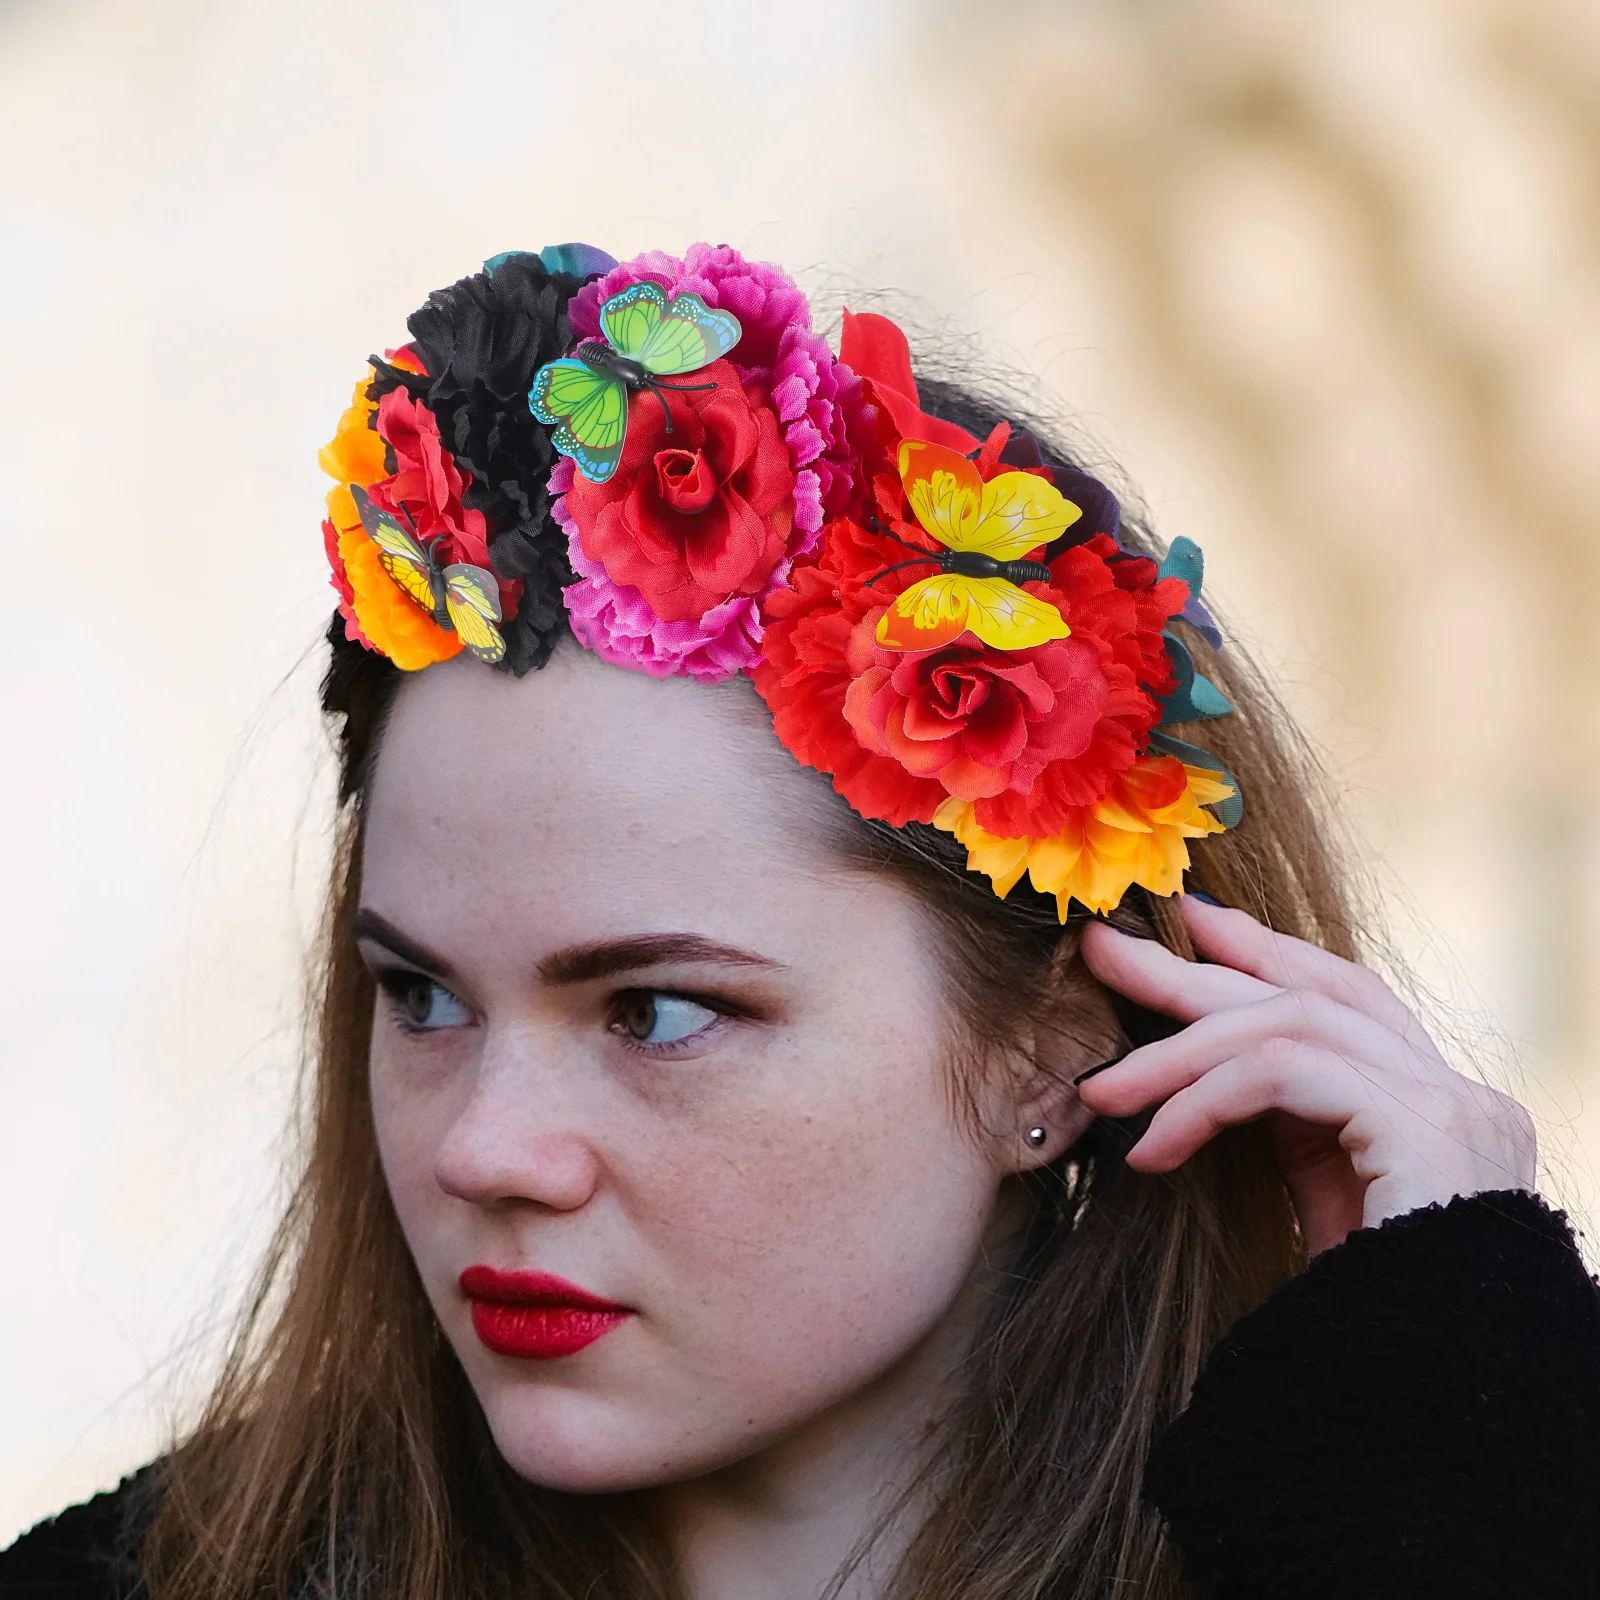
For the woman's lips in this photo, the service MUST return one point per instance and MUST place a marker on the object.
(535, 1315)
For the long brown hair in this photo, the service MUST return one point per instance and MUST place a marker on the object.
(343, 1452)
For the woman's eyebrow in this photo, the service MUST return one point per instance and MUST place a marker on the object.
(582, 963)
(369, 925)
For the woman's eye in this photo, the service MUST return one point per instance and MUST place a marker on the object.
(423, 1005)
(660, 1019)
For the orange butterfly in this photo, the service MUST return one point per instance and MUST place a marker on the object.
(987, 529)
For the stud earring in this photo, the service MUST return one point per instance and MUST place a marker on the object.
(1037, 1136)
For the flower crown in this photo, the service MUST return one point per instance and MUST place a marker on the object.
(664, 457)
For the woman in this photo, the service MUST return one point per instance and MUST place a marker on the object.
(725, 1182)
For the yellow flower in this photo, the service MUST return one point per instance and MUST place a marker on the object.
(1136, 833)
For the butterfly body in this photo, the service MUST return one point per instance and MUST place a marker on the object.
(975, 564)
(986, 529)
(437, 583)
(460, 597)
(612, 362)
(648, 337)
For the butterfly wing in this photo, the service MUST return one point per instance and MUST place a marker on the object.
(628, 319)
(1018, 513)
(689, 336)
(589, 410)
(936, 611)
(945, 492)
(1009, 618)
(472, 598)
(403, 558)
(930, 613)
(1004, 518)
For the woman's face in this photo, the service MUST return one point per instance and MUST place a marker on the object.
(638, 1032)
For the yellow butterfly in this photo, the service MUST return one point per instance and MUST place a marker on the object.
(460, 597)
(987, 529)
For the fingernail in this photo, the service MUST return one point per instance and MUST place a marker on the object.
(1084, 1077)
(1203, 897)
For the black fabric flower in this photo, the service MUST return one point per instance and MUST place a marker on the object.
(481, 341)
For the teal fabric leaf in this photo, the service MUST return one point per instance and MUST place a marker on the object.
(581, 260)
(1195, 698)
(494, 262)
(1185, 561)
(1208, 700)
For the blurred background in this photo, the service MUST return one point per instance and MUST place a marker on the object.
(1323, 280)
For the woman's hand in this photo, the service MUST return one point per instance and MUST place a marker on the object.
(1368, 1119)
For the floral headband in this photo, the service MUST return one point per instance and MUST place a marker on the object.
(664, 457)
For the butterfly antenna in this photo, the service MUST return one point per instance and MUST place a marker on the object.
(878, 527)
(661, 400)
(901, 566)
(684, 388)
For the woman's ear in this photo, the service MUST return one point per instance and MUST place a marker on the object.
(1047, 1114)
(1049, 1122)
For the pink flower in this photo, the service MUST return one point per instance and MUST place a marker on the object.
(824, 421)
(619, 625)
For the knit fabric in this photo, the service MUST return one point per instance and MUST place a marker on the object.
(1417, 1414)
(89, 1552)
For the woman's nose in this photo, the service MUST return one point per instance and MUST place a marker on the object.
(519, 1138)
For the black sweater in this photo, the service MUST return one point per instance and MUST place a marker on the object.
(1417, 1415)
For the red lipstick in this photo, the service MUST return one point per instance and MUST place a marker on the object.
(535, 1315)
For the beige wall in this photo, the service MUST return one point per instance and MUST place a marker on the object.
(1326, 289)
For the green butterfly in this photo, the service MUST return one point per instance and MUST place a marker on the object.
(584, 396)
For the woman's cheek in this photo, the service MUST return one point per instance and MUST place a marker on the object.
(802, 1264)
(411, 1110)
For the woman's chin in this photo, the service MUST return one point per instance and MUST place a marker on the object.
(579, 1445)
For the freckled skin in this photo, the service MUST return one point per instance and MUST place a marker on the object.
(789, 1203)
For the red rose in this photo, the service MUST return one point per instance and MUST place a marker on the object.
(696, 516)
(980, 720)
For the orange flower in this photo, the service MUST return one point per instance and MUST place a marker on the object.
(353, 455)
(1135, 833)
(376, 609)
(391, 621)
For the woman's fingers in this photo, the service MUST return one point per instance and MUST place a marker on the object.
(1244, 962)
(1408, 1147)
(1237, 940)
(1304, 1080)
(1362, 1105)
(1150, 975)
(1155, 1071)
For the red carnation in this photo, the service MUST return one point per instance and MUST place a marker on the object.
(693, 517)
(426, 487)
(1028, 735)
(424, 492)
